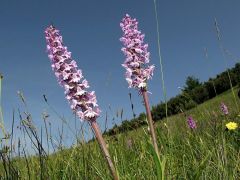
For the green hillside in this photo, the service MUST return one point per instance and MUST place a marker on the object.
(207, 152)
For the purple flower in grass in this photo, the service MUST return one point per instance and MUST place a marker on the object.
(83, 102)
(137, 55)
(191, 123)
(224, 108)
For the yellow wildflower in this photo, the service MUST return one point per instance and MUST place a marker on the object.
(231, 125)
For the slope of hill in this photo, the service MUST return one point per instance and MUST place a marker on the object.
(207, 152)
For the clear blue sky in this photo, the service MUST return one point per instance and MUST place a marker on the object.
(91, 32)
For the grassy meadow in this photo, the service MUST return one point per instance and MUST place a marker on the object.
(207, 152)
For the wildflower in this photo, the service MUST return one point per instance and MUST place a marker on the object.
(137, 56)
(137, 70)
(224, 109)
(82, 102)
(191, 123)
(231, 126)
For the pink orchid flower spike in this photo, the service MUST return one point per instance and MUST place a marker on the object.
(82, 101)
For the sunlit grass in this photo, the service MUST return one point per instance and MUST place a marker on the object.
(208, 152)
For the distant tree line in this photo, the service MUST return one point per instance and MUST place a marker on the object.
(193, 93)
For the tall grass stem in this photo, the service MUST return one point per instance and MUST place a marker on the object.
(160, 57)
(224, 57)
(1, 112)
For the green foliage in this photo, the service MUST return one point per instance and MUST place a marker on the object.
(158, 112)
(191, 83)
(210, 87)
(236, 72)
(199, 94)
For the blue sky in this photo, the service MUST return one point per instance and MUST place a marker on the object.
(91, 31)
